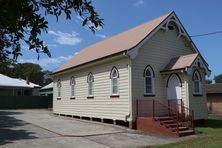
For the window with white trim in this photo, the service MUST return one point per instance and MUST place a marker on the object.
(197, 83)
(90, 81)
(59, 85)
(72, 84)
(114, 76)
(148, 81)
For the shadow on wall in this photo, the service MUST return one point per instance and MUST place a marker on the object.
(8, 131)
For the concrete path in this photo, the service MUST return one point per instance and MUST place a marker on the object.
(40, 128)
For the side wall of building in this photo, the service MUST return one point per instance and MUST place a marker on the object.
(102, 105)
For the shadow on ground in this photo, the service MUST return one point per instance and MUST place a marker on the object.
(9, 131)
(212, 122)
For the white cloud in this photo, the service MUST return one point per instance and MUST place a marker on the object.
(65, 38)
(139, 3)
(47, 63)
(101, 36)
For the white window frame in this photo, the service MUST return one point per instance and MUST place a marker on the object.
(199, 83)
(111, 82)
(72, 86)
(152, 81)
(90, 81)
(59, 85)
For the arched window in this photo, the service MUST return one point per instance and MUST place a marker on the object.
(148, 81)
(59, 85)
(72, 84)
(197, 83)
(90, 80)
(114, 76)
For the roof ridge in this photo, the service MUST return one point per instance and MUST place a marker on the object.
(117, 43)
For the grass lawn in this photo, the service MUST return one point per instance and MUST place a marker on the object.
(211, 136)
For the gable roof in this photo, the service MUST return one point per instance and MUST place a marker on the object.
(180, 62)
(214, 88)
(119, 43)
(6, 81)
(49, 86)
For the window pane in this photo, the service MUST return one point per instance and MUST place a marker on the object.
(196, 87)
(148, 81)
(115, 90)
(149, 89)
(114, 81)
(114, 74)
(59, 91)
(73, 90)
(148, 73)
(90, 88)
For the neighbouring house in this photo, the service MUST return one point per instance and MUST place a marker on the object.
(151, 76)
(47, 90)
(17, 87)
(214, 98)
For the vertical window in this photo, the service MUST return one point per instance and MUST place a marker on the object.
(59, 85)
(90, 84)
(72, 84)
(197, 83)
(114, 76)
(148, 81)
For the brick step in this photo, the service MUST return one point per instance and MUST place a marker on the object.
(168, 121)
(182, 128)
(165, 118)
(172, 125)
(186, 133)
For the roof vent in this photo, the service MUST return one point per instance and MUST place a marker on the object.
(170, 27)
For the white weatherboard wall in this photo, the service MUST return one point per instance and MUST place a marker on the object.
(157, 52)
(198, 103)
(102, 106)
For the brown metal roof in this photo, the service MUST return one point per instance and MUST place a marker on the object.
(214, 88)
(116, 44)
(180, 62)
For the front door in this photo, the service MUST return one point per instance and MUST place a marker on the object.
(174, 87)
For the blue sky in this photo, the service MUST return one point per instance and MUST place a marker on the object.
(66, 37)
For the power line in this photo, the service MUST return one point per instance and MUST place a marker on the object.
(211, 33)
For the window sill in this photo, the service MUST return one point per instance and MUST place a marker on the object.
(72, 98)
(114, 96)
(197, 94)
(58, 98)
(149, 95)
(90, 97)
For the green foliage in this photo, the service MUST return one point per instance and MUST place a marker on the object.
(24, 20)
(208, 81)
(26, 71)
(210, 135)
(218, 78)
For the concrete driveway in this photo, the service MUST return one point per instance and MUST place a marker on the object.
(40, 128)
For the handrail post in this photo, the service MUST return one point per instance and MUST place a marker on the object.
(177, 122)
(168, 107)
(153, 108)
(192, 119)
(137, 109)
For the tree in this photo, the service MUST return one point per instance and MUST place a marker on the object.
(218, 78)
(24, 21)
(29, 71)
(208, 81)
